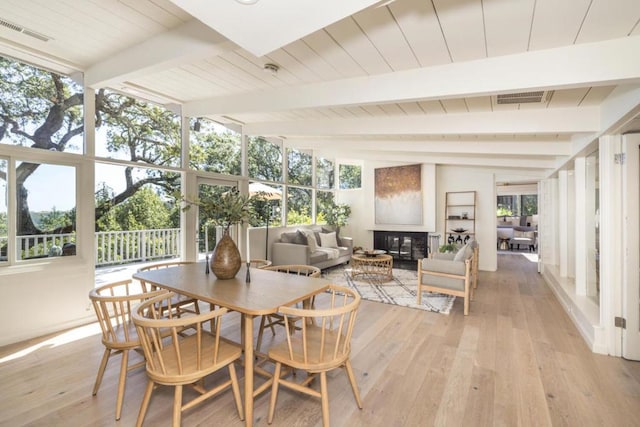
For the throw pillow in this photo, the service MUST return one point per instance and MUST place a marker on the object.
(328, 240)
(288, 237)
(311, 240)
(301, 239)
(460, 255)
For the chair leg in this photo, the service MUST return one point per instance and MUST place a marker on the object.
(236, 390)
(177, 406)
(122, 382)
(352, 380)
(145, 403)
(274, 392)
(324, 397)
(101, 369)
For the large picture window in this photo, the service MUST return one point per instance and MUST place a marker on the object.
(39, 109)
(214, 148)
(350, 177)
(299, 165)
(4, 218)
(265, 159)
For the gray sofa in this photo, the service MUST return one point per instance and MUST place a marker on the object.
(292, 247)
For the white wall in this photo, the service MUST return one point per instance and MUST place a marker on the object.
(452, 178)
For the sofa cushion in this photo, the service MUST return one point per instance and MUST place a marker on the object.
(328, 240)
(461, 255)
(296, 237)
(311, 240)
(318, 256)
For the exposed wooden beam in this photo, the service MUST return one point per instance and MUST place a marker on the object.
(188, 42)
(590, 64)
(547, 121)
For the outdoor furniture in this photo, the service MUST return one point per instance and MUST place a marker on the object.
(113, 303)
(275, 319)
(323, 345)
(184, 359)
(267, 291)
(452, 274)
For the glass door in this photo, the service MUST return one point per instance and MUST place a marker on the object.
(209, 234)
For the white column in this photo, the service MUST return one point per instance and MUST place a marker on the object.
(580, 226)
(563, 223)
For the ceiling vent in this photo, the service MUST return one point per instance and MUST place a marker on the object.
(536, 97)
(23, 30)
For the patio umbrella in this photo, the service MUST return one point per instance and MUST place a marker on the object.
(267, 193)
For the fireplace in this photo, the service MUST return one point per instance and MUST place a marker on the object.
(402, 245)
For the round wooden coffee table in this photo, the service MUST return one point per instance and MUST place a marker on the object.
(381, 265)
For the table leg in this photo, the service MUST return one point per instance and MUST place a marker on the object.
(248, 369)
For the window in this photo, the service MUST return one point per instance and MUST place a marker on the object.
(298, 206)
(40, 109)
(214, 148)
(517, 205)
(324, 173)
(265, 159)
(4, 201)
(45, 210)
(299, 167)
(350, 177)
(141, 132)
(324, 202)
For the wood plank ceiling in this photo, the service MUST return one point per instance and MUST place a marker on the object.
(316, 98)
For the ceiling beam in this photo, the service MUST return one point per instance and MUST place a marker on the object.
(547, 121)
(519, 148)
(188, 42)
(590, 64)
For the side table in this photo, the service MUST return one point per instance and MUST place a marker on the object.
(380, 265)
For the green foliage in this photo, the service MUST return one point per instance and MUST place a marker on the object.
(448, 247)
(350, 176)
(144, 210)
(55, 219)
(504, 212)
(338, 214)
(265, 160)
(213, 150)
(298, 217)
(225, 210)
(299, 164)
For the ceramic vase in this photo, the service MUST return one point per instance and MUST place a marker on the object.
(225, 260)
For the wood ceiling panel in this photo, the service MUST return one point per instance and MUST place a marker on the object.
(333, 54)
(456, 105)
(478, 104)
(300, 72)
(609, 19)
(307, 56)
(411, 108)
(232, 73)
(358, 111)
(507, 24)
(432, 107)
(121, 15)
(289, 72)
(567, 97)
(596, 95)
(351, 38)
(219, 83)
(463, 28)
(420, 26)
(162, 11)
(392, 110)
(381, 28)
(341, 112)
(556, 23)
(374, 110)
(252, 69)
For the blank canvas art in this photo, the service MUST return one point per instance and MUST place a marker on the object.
(398, 195)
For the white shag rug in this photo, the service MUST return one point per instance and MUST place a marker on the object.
(401, 290)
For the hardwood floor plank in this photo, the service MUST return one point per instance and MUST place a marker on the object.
(515, 360)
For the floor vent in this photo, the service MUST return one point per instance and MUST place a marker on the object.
(25, 31)
(524, 97)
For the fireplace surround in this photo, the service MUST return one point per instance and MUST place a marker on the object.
(403, 246)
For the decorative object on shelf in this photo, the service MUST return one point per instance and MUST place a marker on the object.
(231, 208)
(465, 215)
(459, 230)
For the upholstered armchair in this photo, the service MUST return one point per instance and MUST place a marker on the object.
(452, 274)
(525, 236)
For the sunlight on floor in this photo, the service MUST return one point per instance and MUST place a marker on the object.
(60, 339)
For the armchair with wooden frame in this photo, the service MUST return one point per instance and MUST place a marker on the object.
(451, 274)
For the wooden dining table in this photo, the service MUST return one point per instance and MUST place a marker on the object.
(263, 294)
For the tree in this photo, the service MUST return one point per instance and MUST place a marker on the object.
(265, 160)
(215, 151)
(43, 110)
(350, 176)
(144, 210)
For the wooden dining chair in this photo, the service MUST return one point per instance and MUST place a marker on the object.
(113, 304)
(324, 344)
(182, 303)
(258, 263)
(276, 319)
(188, 353)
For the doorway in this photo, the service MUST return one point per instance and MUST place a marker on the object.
(208, 234)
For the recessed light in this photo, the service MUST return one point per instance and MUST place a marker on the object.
(247, 2)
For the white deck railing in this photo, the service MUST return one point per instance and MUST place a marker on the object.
(118, 247)
(112, 247)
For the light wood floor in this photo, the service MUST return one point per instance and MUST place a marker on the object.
(516, 360)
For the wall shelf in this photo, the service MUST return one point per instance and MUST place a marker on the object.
(460, 214)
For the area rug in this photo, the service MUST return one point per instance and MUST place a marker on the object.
(401, 290)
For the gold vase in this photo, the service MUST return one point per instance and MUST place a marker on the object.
(225, 260)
